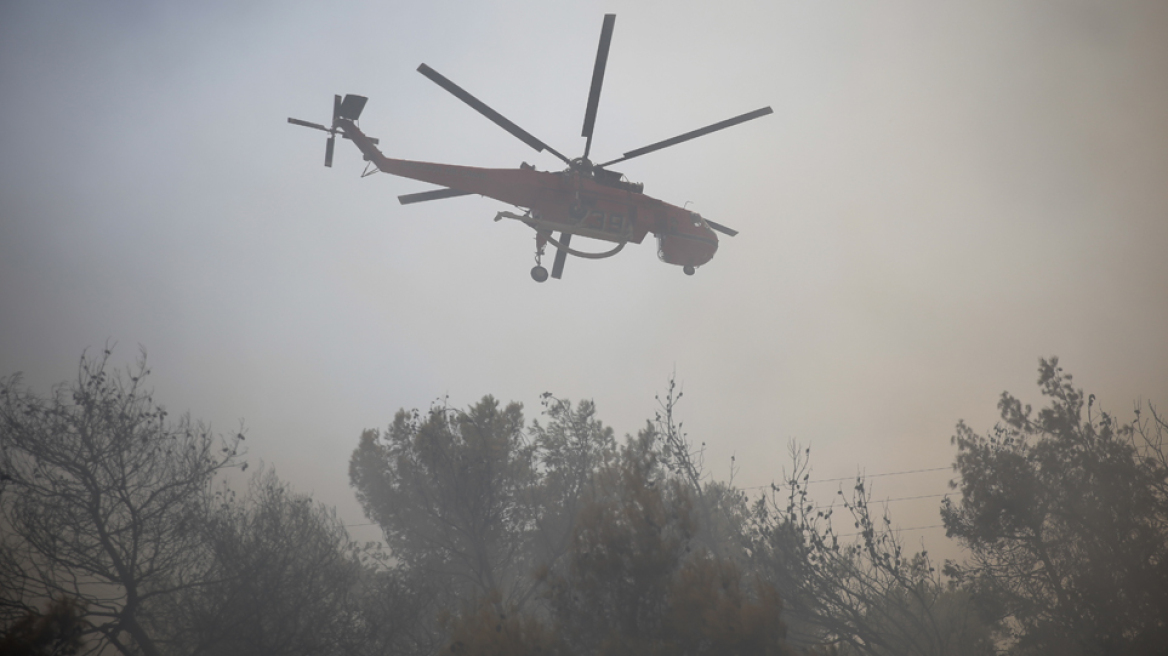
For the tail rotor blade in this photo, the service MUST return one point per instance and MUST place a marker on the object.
(306, 124)
(721, 125)
(336, 110)
(328, 151)
(482, 108)
(597, 80)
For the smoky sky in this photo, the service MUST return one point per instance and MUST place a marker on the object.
(945, 193)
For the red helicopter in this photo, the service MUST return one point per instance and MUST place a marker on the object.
(585, 199)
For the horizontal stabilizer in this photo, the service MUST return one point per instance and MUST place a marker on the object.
(431, 195)
(721, 228)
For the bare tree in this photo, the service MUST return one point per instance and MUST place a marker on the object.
(722, 508)
(865, 595)
(102, 500)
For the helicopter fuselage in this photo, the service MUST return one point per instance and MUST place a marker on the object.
(572, 201)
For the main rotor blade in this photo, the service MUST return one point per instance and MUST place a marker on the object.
(722, 125)
(721, 228)
(481, 107)
(436, 194)
(597, 80)
(306, 124)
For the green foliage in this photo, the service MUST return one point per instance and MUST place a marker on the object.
(553, 541)
(712, 611)
(483, 629)
(1066, 516)
(614, 567)
(632, 582)
(451, 492)
(630, 538)
(570, 448)
(287, 580)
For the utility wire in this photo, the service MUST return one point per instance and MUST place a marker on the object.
(879, 501)
(864, 476)
(895, 530)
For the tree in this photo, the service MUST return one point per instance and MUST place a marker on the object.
(1065, 514)
(451, 493)
(633, 581)
(590, 548)
(286, 579)
(721, 508)
(103, 501)
(866, 595)
(481, 629)
(283, 571)
(569, 449)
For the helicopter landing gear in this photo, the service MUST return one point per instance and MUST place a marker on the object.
(689, 271)
(538, 273)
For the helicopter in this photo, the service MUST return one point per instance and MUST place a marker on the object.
(586, 199)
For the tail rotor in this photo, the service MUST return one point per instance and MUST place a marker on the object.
(348, 108)
(328, 150)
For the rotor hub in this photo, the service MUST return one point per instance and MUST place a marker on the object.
(582, 164)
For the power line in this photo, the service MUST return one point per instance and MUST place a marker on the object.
(919, 496)
(899, 473)
(864, 476)
(820, 506)
(896, 530)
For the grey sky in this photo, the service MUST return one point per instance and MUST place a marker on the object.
(945, 193)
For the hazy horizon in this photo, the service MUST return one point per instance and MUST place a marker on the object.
(943, 195)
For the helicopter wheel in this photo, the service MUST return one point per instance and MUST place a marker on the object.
(539, 274)
(689, 271)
